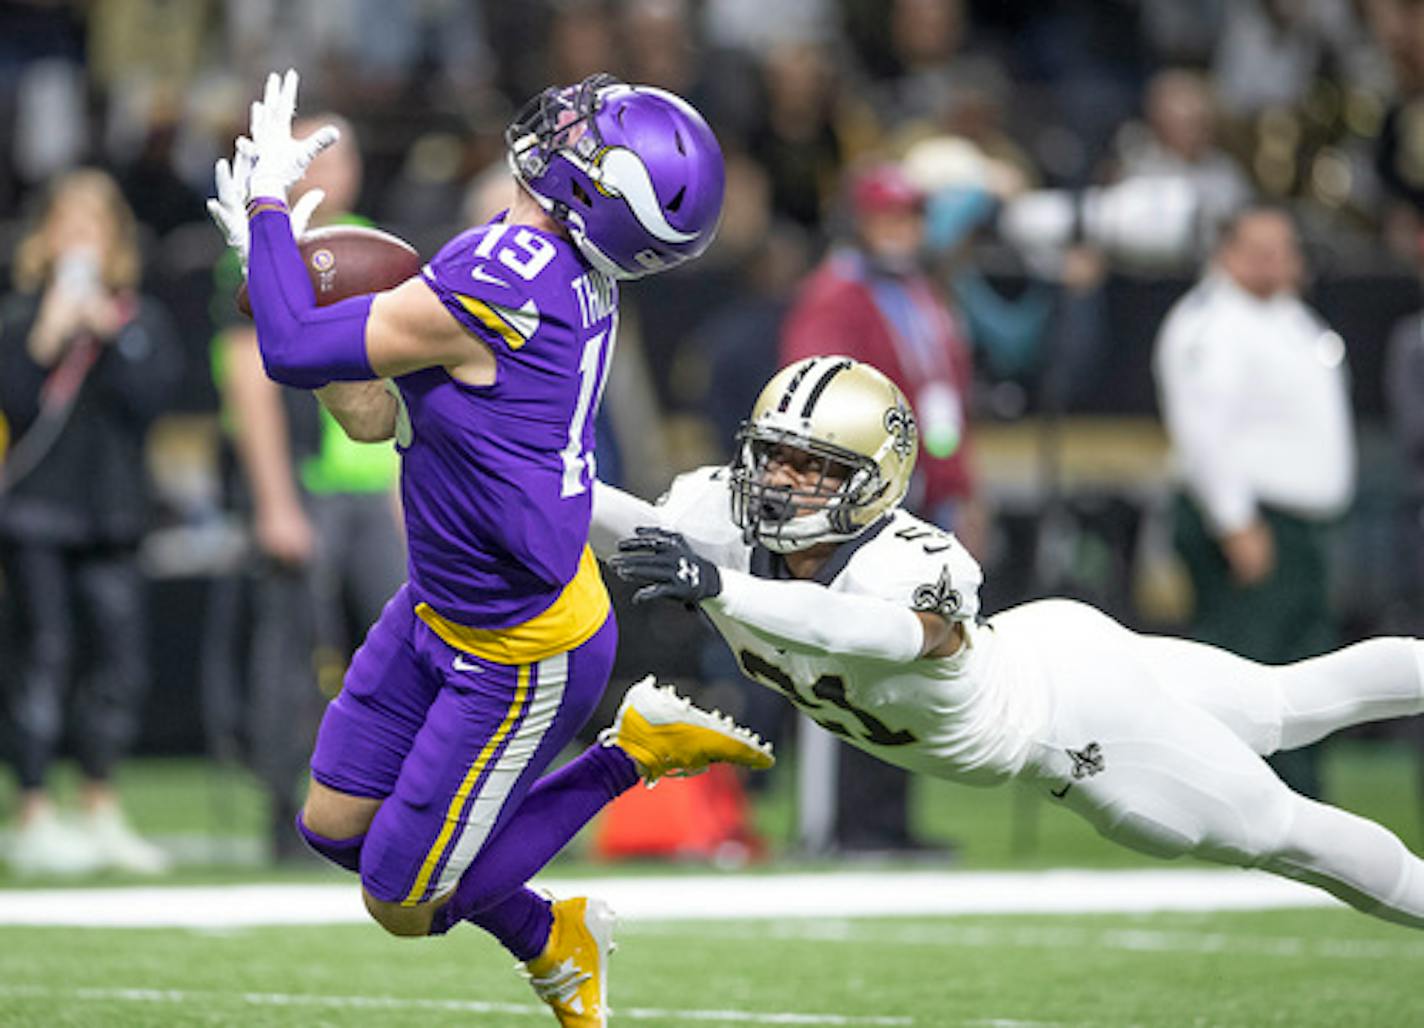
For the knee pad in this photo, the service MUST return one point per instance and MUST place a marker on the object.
(341, 852)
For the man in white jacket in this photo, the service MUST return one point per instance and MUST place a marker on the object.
(1255, 394)
(867, 619)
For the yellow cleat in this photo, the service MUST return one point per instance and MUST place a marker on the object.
(571, 975)
(666, 735)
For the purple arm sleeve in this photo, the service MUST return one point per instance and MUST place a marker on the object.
(302, 345)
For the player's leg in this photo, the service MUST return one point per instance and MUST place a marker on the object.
(654, 733)
(1161, 775)
(1273, 708)
(565, 944)
(284, 706)
(365, 735)
(490, 733)
(112, 590)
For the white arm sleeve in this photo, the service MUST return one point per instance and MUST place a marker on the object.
(810, 616)
(615, 515)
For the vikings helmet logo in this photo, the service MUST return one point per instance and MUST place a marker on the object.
(900, 423)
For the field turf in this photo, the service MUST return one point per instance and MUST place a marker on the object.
(1328, 967)
(1323, 967)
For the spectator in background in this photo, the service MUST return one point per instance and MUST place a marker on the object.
(324, 523)
(925, 41)
(799, 137)
(582, 40)
(1177, 140)
(873, 301)
(1255, 394)
(1404, 396)
(86, 362)
(161, 199)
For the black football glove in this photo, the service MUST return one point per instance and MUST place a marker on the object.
(665, 566)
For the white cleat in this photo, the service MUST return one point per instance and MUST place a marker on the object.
(48, 845)
(121, 848)
(666, 735)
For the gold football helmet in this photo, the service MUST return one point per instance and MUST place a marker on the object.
(857, 425)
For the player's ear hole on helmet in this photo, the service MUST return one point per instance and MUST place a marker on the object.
(580, 195)
(676, 201)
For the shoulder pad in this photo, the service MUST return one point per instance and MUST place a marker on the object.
(502, 281)
(921, 566)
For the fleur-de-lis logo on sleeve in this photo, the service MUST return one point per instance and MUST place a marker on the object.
(937, 597)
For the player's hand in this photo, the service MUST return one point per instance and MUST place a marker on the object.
(284, 534)
(1251, 552)
(229, 208)
(665, 566)
(281, 160)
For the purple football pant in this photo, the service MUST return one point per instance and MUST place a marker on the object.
(453, 744)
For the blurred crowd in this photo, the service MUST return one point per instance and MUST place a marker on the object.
(997, 201)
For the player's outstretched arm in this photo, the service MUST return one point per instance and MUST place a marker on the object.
(801, 615)
(358, 339)
(617, 515)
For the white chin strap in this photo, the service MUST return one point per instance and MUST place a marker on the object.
(802, 533)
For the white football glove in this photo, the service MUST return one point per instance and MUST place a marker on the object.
(280, 160)
(229, 208)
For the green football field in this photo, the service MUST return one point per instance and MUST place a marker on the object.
(1276, 968)
(1322, 966)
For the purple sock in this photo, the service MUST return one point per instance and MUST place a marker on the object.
(521, 922)
(556, 808)
(341, 852)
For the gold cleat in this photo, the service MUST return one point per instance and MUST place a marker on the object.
(666, 735)
(571, 975)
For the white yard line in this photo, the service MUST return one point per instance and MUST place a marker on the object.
(206, 999)
(700, 897)
(1067, 936)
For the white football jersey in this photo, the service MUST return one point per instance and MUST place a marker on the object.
(948, 717)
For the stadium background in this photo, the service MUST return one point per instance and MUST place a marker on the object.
(1315, 105)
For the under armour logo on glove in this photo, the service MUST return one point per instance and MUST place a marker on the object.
(665, 565)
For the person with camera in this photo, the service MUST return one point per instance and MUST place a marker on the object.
(1254, 390)
(86, 362)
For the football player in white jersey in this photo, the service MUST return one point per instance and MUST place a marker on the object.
(867, 619)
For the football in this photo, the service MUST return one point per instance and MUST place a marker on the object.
(349, 260)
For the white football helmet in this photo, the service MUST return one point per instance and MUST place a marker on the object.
(853, 418)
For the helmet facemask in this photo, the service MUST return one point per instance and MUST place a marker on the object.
(785, 519)
(558, 120)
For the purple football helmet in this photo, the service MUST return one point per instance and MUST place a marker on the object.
(632, 172)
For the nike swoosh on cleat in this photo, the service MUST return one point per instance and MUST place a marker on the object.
(461, 664)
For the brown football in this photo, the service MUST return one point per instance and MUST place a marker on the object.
(349, 260)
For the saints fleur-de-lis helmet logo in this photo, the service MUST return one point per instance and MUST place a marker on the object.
(853, 423)
(900, 423)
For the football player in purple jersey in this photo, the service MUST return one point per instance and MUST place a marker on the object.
(428, 776)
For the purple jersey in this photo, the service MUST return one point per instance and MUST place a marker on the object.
(496, 479)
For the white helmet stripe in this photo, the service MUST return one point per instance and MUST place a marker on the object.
(625, 174)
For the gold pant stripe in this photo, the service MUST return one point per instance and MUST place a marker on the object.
(457, 802)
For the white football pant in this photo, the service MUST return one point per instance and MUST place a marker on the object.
(1181, 729)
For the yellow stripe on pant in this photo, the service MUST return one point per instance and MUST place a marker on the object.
(457, 802)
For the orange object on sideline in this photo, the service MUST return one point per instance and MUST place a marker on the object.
(703, 817)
